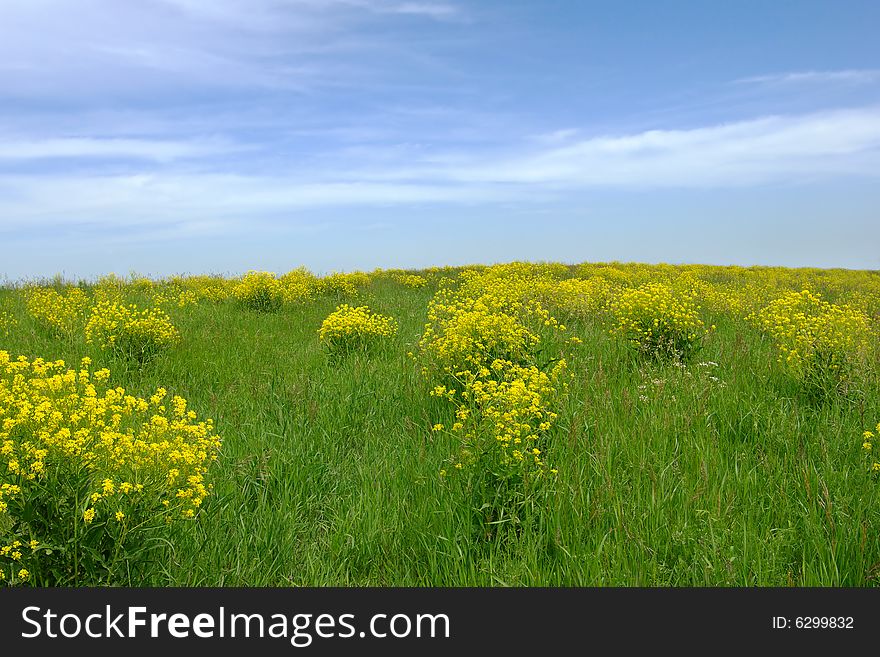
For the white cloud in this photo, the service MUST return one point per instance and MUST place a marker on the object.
(435, 10)
(763, 150)
(778, 149)
(156, 200)
(158, 150)
(86, 48)
(561, 136)
(270, 14)
(852, 76)
(787, 149)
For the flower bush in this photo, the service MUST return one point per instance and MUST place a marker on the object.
(142, 283)
(341, 284)
(210, 288)
(61, 313)
(659, 320)
(474, 337)
(130, 332)
(260, 290)
(90, 476)
(174, 297)
(298, 285)
(412, 281)
(503, 417)
(820, 343)
(488, 345)
(494, 314)
(110, 287)
(578, 297)
(348, 328)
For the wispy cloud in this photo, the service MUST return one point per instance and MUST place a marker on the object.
(157, 150)
(95, 47)
(270, 14)
(436, 10)
(775, 149)
(156, 200)
(758, 151)
(564, 135)
(849, 76)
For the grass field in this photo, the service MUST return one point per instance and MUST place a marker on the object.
(716, 466)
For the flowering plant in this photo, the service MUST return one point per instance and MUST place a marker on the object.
(90, 475)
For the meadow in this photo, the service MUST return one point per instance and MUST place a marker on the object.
(524, 424)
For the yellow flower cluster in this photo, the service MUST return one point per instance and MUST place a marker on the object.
(468, 334)
(482, 340)
(412, 281)
(264, 291)
(350, 328)
(129, 331)
(110, 288)
(11, 556)
(659, 319)
(502, 414)
(142, 283)
(342, 284)
(868, 447)
(740, 291)
(578, 297)
(616, 275)
(74, 450)
(187, 298)
(494, 314)
(7, 322)
(174, 297)
(210, 288)
(260, 290)
(111, 281)
(815, 338)
(61, 313)
(298, 285)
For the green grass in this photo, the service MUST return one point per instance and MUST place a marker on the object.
(668, 476)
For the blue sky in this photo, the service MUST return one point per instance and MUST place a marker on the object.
(190, 136)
